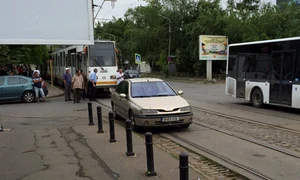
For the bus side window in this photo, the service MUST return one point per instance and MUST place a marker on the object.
(297, 68)
(232, 66)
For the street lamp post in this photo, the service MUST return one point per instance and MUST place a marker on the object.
(169, 51)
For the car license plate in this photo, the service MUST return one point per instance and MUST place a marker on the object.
(169, 119)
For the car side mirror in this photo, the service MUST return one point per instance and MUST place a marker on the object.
(122, 95)
(180, 92)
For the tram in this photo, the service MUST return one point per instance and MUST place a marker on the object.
(101, 56)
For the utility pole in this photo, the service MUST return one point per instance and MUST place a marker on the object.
(169, 49)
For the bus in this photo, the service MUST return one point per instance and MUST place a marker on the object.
(101, 56)
(265, 72)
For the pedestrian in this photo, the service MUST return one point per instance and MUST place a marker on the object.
(37, 80)
(92, 85)
(120, 76)
(85, 82)
(3, 71)
(77, 85)
(68, 84)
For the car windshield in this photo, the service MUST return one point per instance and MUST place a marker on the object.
(151, 89)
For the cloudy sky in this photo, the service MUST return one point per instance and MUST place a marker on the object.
(121, 6)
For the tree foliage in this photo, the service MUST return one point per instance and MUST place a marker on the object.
(23, 54)
(143, 31)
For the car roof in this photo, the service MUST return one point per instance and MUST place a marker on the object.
(28, 78)
(134, 80)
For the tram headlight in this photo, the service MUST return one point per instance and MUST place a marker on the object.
(113, 77)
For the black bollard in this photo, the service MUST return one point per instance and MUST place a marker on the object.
(111, 127)
(129, 138)
(90, 109)
(149, 152)
(99, 113)
(184, 166)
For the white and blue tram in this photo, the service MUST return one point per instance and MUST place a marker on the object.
(101, 55)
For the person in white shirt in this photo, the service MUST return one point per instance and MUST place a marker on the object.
(120, 76)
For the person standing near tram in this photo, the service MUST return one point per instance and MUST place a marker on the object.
(92, 85)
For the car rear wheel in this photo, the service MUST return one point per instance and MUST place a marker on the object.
(28, 96)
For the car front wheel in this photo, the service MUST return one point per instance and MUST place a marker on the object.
(116, 115)
(132, 118)
(28, 96)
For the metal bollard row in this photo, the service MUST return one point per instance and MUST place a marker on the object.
(100, 126)
(112, 138)
(90, 110)
(128, 128)
(183, 157)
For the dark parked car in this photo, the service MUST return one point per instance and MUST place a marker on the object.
(131, 74)
(18, 88)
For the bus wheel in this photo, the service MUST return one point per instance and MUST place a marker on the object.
(257, 98)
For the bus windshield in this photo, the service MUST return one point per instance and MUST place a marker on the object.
(102, 54)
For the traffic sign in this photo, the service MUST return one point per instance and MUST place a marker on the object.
(138, 59)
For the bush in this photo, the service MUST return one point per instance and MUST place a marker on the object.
(166, 71)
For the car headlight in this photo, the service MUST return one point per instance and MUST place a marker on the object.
(113, 77)
(148, 111)
(186, 108)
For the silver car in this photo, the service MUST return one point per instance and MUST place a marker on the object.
(150, 102)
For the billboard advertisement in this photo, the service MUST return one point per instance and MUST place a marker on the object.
(46, 22)
(213, 47)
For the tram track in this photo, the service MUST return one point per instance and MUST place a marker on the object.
(270, 136)
(217, 163)
(244, 171)
(246, 120)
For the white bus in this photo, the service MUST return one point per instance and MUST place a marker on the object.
(101, 55)
(265, 72)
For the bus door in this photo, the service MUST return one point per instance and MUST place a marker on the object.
(281, 82)
(241, 72)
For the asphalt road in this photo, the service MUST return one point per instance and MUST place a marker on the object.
(213, 97)
(271, 163)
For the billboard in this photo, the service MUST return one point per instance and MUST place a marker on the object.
(46, 22)
(213, 47)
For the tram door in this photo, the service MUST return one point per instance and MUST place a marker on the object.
(281, 82)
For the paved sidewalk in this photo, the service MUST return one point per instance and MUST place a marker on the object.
(129, 168)
(53, 91)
